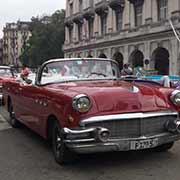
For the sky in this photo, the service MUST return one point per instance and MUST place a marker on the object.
(14, 10)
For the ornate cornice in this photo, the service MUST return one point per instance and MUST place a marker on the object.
(117, 5)
(101, 8)
(68, 23)
(89, 15)
(78, 19)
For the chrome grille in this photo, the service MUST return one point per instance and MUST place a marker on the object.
(131, 128)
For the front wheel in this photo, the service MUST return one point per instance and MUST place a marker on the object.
(12, 119)
(61, 153)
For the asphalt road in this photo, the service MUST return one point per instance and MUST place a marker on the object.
(26, 156)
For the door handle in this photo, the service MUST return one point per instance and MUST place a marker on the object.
(20, 89)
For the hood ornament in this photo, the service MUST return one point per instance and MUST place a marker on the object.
(134, 89)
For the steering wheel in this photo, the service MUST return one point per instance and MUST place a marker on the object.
(95, 73)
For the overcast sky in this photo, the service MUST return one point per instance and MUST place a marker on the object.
(13, 10)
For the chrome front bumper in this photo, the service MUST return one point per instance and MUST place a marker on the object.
(1, 97)
(75, 141)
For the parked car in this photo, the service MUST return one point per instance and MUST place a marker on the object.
(84, 106)
(6, 74)
(171, 81)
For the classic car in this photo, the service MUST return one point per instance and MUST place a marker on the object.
(84, 106)
(6, 73)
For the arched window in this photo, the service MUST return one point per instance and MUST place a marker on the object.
(162, 9)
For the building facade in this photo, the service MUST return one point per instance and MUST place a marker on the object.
(129, 31)
(1, 51)
(15, 36)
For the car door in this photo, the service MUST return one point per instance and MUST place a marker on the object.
(35, 108)
(15, 91)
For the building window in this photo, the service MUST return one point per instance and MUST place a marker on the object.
(119, 20)
(103, 24)
(162, 9)
(91, 28)
(71, 9)
(138, 14)
(80, 32)
(80, 5)
(70, 35)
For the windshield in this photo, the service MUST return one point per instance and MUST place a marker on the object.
(69, 70)
(5, 72)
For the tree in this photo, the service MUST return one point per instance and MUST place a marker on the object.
(47, 39)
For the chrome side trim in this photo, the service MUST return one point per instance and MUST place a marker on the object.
(126, 116)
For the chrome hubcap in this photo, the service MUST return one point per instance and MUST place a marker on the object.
(58, 141)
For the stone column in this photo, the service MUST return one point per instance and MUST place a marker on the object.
(132, 15)
(154, 11)
(110, 21)
(67, 35)
(96, 25)
(147, 54)
(76, 8)
(174, 65)
(147, 11)
(126, 55)
(67, 8)
(114, 21)
(126, 16)
(75, 32)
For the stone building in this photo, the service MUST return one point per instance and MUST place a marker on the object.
(15, 36)
(125, 30)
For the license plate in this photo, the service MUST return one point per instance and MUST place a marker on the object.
(144, 144)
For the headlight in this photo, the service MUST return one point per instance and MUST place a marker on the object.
(175, 97)
(81, 103)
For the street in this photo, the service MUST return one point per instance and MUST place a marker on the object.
(26, 156)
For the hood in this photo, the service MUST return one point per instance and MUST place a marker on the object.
(120, 96)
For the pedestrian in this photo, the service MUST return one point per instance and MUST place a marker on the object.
(127, 70)
(24, 72)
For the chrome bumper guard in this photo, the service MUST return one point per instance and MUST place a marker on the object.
(93, 140)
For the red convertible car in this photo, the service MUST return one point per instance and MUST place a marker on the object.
(83, 106)
(6, 74)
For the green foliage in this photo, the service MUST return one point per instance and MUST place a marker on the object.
(46, 41)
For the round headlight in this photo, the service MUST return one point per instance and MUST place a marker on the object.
(81, 103)
(175, 97)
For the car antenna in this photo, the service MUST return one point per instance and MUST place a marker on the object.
(175, 30)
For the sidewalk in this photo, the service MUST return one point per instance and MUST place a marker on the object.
(3, 124)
